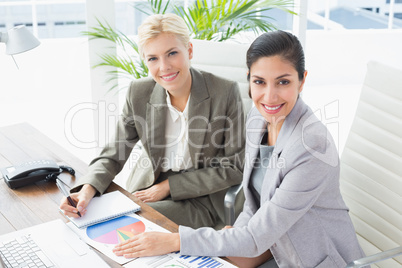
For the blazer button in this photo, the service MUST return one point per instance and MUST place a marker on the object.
(274, 245)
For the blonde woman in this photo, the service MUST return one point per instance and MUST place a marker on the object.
(190, 124)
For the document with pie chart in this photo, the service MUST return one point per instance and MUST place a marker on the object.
(116, 231)
(105, 235)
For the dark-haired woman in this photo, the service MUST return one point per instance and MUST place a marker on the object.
(294, 214)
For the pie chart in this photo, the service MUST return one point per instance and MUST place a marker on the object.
(116, 230)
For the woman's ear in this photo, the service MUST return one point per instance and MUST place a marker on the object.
(302, 82)
(190, 50)
(248, 79)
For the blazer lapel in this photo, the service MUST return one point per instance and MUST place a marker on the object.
(198, 113)
(289, 125)
(271, 178)
(156, 121)
(255, 128)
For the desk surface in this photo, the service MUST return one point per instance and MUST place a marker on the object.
(39, 203)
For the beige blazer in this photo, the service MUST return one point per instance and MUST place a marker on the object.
(216, 139)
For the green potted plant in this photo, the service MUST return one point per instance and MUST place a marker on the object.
(216, 20)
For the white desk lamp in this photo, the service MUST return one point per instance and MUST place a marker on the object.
(18, 39)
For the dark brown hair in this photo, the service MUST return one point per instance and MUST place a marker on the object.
(277, 43)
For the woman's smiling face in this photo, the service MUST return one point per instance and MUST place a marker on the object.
(168, 61)
(275, 87)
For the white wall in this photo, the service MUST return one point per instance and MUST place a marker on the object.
(340, 57)
(336, 62)
(52, 81)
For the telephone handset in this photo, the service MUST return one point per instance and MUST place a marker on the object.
(31, 172)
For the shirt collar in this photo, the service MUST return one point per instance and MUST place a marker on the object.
(174, 113)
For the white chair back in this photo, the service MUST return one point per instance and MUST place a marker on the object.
(371, 163)
(225, 59)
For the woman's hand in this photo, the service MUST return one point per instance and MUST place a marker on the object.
(81, 198)
(155, 193)
(148, 244)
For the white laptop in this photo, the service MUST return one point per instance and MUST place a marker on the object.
(51, 244)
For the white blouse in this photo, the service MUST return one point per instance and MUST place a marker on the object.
(177, 155)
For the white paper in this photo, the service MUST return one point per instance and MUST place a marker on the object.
(168, 260)
(177, 260)
(108, 206)
(113, 233)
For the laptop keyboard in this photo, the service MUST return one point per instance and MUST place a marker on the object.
(23, 252)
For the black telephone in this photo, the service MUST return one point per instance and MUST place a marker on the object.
(31, 172)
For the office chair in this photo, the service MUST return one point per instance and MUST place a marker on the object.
(230, 64)
(371, 167)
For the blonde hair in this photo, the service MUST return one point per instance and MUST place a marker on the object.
(157, 24)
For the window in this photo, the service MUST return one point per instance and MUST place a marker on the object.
(396, 1)
(128, 16)
(47, 19)
(344, 14)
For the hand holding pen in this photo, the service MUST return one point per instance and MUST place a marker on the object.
(64, 191)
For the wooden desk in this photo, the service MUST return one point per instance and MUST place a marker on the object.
(39, 203)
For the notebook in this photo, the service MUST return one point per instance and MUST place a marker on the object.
(106, 207)
(50, 244)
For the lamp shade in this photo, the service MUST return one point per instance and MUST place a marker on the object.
(19, 39)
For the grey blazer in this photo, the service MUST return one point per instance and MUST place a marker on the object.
(302, 217)
(216, 139)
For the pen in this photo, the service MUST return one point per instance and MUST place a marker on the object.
(60, 185)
